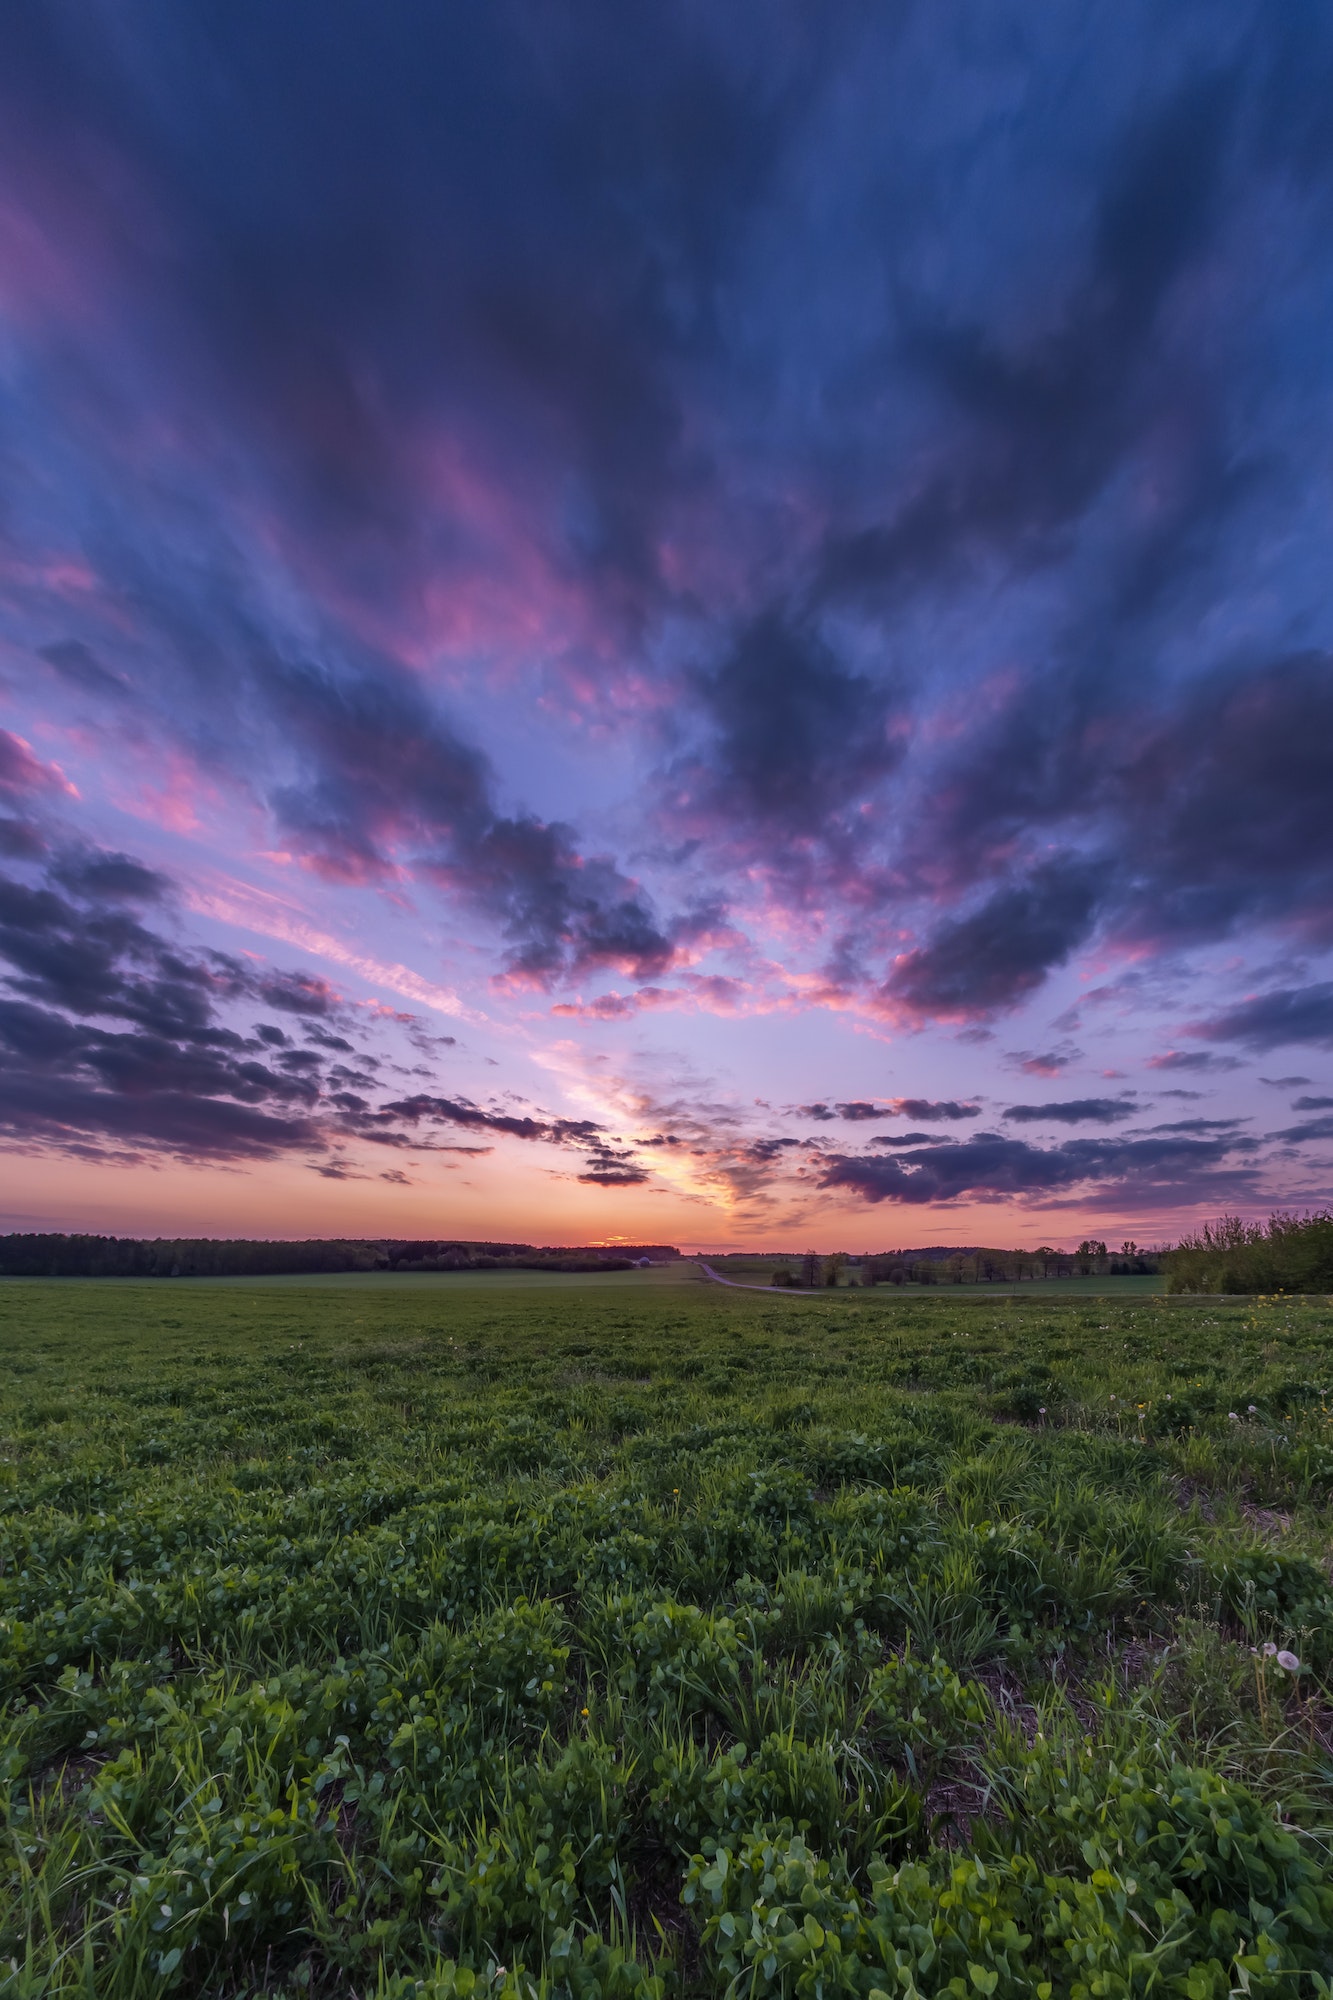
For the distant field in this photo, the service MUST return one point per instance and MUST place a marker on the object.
(614, 1636)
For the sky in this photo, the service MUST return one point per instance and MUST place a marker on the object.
(665, 624)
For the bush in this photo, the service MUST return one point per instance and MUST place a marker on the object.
(1290, 1253)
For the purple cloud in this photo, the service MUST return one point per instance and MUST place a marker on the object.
(1073, 1111)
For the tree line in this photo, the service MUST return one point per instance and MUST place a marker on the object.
(62, 1256)
(967, 1267)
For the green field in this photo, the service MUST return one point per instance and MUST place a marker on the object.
(509, 1635)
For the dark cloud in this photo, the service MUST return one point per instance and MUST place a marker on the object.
(1073, 1111)
(1270, 1020)
(1312, 1103)
(946, 1108)
(1201, 1125)
(172, 1075)
(175, 1077)
(56, 1111)
(1192, 1060)
(79, 665)
(991, 959)
(388, 374)
(862, 1110)
(1285, 1082)
(108, 878)
(1042, 424)
(1224, 806)
(296, 993)
(1044, 1063)
(422, 1109)
(1313, 1128)
(1209, 815)
(990, 1167)
(95, 958)
(320, 1036)
(799, 737)
(613, 1176)
(387, 778)
(20, 839)
(763, 1150)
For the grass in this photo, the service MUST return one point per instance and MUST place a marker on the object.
(519, 1634)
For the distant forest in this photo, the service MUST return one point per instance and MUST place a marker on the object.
(971, 1265)
(53, 1256)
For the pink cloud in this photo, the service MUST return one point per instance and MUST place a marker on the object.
(21, 771)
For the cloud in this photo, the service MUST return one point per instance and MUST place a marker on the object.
(862, 1110)
(613, 1176)
(23, 773)
(110, 1032)
(543, 475)
(108, 877)
(1312, 1103)
(385, 1123)
(1073, 1111)
(926, 1108)
(175, 1078)
(1201, 1125)
(1044, 422)
(1045, 1063)
(1194, 1061)
(798, 738)
(79, 665)
(1271, 1020)
(387, 781)
(991, 1167)
(1313, 1128)
(975, 965)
